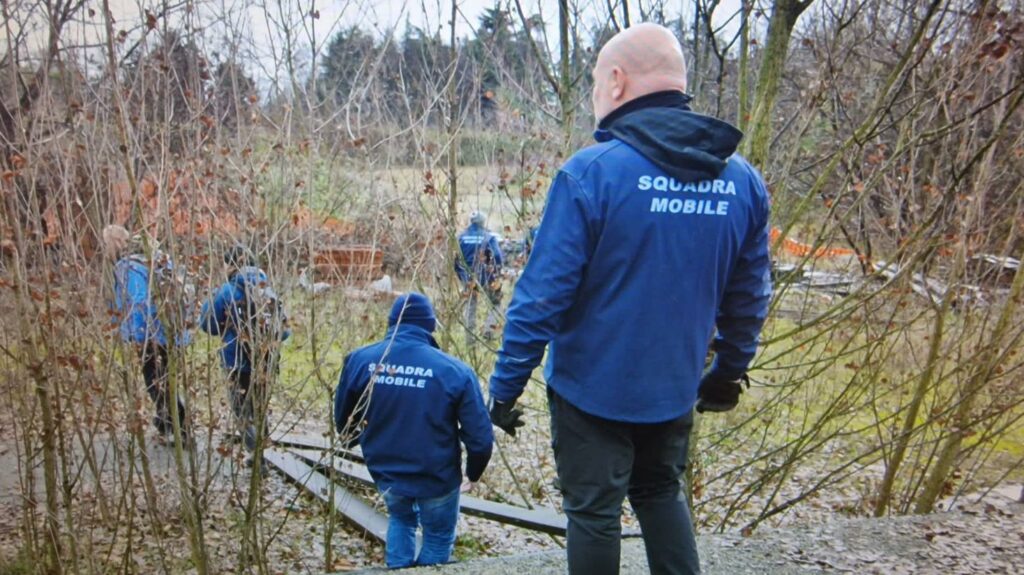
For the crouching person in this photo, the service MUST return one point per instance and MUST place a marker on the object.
(411, 404)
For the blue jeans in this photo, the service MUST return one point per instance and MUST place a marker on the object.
(437, 516)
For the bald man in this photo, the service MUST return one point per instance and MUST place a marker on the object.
(653, 241)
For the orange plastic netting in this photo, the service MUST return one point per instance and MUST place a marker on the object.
(800, 249)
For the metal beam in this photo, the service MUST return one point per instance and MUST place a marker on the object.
(304, 441)
(351, 507)
(541, 519)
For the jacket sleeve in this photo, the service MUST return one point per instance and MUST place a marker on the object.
(475, 428)
(346, 396)
(214, 316)
(744, 305)
(499, 258)
(548, 285)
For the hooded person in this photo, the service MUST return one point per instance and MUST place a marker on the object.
(249, 317)
(478, 268)
(139, 325)
(410, 405)
(653, 242)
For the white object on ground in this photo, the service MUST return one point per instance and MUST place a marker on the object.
(309, 286)
(382, 285)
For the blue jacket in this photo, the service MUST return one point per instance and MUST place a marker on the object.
(481, 254)
(422, 404)
(135, 307)
(650, 240)
(219, 316)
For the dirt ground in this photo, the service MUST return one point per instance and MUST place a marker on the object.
(294, 523)
(984, 536)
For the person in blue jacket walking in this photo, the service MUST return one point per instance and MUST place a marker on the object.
(654, 242)
(248, 315)
(137, 312)
(479, 269)
(410, 404)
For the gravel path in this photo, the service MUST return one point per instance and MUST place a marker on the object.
(985, 536)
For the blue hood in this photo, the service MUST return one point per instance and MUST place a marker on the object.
(248, 275)
(219, 315)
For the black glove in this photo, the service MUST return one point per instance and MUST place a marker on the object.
(506, 417)
(717, 393)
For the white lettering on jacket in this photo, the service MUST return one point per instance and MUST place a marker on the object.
(699, 207)
(391, 374)
(666, 184)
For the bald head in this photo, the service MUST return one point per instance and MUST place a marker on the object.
(640, 60)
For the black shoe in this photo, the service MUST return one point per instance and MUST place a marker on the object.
(162, 425)
(249, 438)
(249, 462)
(167, 438)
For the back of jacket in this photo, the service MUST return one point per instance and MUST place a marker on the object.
(481, 255)
(422, 404)
(650, 239)
(138, 313)
(221, 316)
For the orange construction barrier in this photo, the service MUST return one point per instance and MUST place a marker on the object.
(795, 248)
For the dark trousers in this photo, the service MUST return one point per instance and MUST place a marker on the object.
(154, 373)
(243, 404)
(472, 302)
(600, 462)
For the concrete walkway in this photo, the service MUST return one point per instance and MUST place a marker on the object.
(986, 540)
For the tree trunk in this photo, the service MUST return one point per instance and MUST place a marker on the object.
(924, 383)
(453, 125)
(695, 72)
(53, 546)
(42, 385)
(780, 28)
(994, 352)
(565, 83)
(986, 367)
(743, 112)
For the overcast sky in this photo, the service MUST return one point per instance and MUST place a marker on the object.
(388, 14)
(431, 14)
(257, 17)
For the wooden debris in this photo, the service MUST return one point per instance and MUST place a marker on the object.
(340, 264)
